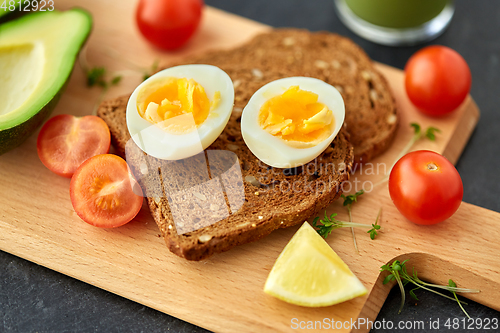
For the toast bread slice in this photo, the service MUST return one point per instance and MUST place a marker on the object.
(268, 204)
(371, 118)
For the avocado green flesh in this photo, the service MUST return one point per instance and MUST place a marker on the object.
(37, 54)
(21, 68)
(13, 137)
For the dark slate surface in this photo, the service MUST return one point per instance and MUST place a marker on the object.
(36, 299)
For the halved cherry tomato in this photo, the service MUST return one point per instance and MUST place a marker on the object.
(104, 193)
(437, 80)
(425, 187)
(168, 24)
(66, 141)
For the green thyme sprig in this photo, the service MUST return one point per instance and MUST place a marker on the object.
(429, 133)
(350, 199)
(100, 77)
(328, 224)
(375, 226)
(97, 76)
(398, 272)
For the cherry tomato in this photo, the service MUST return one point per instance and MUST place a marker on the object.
(425, 187)
(66, 141)
(104, 193)
(437, 80)
(168, 24)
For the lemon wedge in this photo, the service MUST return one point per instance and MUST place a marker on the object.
(309, 273)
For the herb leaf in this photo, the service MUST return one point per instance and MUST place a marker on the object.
(116, 80)
(375, 226)
(417, 128)
(452, 284)
(329, 223)
(397, 270)
(95, 76)
(352, 198)
(430, 133)
(388, 279)
(412, 293)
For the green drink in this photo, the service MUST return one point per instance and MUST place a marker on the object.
(397, 13)
(396, 22)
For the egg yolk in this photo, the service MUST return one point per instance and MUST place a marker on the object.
(177, 105)
(297, 117)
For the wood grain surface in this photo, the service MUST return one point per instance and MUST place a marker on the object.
(224, 293)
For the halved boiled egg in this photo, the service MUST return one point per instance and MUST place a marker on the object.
(180, 111)
(289, 122)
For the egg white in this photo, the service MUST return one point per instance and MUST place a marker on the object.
(157, 142)
(273, 150)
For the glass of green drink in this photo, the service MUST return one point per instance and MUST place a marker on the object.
(396, 22)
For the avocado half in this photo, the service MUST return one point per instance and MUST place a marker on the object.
(37, 54)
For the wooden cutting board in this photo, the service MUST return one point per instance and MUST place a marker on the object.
(224, 293)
